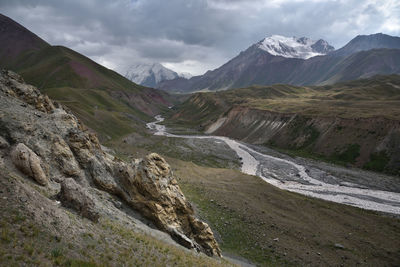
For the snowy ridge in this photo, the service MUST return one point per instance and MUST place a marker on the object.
(140, 73)
(293, 47)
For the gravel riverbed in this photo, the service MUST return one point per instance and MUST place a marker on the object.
(353, 187)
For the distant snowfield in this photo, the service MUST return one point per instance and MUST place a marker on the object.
(289, 175)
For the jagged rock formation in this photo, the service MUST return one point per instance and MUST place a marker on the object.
(54, 147)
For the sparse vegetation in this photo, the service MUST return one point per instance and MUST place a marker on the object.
(377, 162)
(272, 227)
(349, 155)
(26, 241)
(376, 96)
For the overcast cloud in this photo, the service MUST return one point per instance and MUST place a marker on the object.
(194, 35)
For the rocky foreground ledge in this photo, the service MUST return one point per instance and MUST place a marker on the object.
(44, 141)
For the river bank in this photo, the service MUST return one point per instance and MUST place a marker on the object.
(286, 173)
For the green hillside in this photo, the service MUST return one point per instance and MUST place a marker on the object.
(100, 97)
(376, 96)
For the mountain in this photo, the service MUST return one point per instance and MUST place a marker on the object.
(152, 74)
(368, 42)
(293, 47)
(298, 61)
(16, 40)
(98, 96)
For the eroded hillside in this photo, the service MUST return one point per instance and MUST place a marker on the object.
(48, 155)
(350, 123)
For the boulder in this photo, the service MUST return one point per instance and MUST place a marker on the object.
(29, 163)
(73, 195)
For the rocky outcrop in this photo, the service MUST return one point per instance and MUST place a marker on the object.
(29, 163)
(52, 146)
(156, 192)
(74, 196)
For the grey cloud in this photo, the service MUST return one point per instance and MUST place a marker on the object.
(120, 33)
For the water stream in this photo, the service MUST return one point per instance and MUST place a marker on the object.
(291, 176)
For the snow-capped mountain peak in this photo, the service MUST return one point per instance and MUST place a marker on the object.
(150, 74)
(185, 75)
(293, 47)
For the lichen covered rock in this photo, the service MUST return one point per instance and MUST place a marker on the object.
(29, 163)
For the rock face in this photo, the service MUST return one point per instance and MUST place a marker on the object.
(47, 139)
(29, 163)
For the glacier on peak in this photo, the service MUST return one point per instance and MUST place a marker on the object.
(293, 47)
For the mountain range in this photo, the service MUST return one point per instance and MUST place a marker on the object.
(298, 61)
(152, 74)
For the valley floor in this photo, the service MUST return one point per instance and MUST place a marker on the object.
(352, 187)
(267, 226)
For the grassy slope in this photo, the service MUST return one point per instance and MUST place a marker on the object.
(67, 75)
(58, 66)
(250, 214)
(28, 239)
(97, 110)
(378, 96)
(98, 96)
(247, 215)
(16, 39)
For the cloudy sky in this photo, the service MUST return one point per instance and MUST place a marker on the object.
(194, 35)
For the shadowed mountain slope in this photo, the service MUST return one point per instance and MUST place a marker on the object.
(99, 96)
